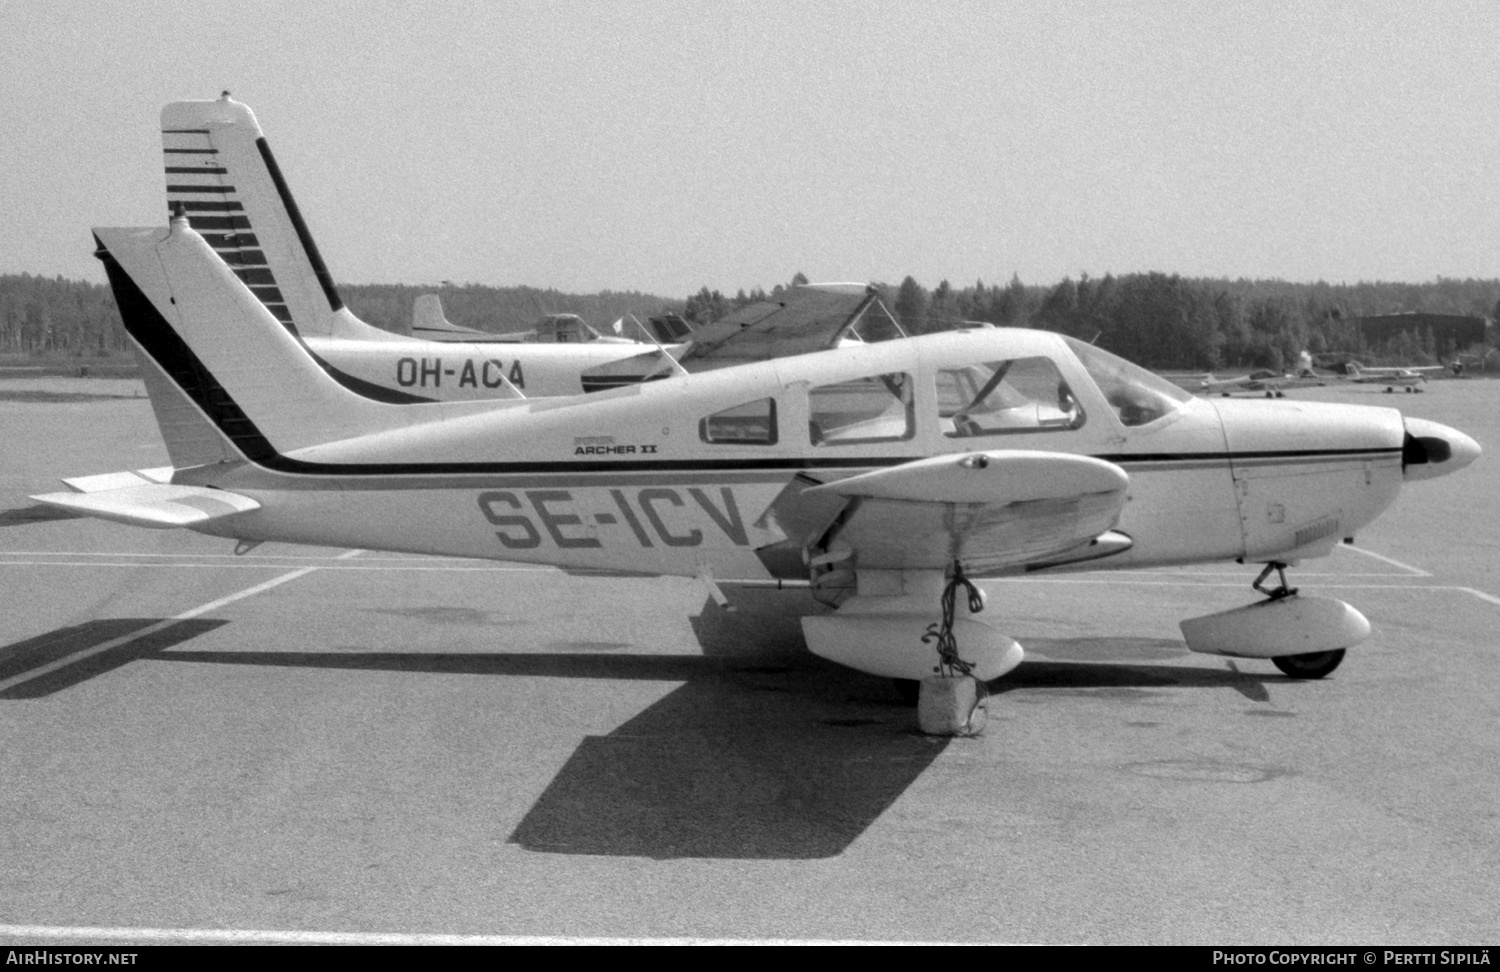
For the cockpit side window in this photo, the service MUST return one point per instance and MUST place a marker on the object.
(753, 423)
(1137, 396)
(874, 409)
(1005, 398)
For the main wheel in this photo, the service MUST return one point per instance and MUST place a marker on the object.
(1313, 665)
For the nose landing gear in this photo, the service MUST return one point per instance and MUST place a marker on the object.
(1303, 636)
(1314, 664)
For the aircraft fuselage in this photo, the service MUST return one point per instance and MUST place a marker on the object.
(628, 480)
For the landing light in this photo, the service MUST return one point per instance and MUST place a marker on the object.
(980, 461)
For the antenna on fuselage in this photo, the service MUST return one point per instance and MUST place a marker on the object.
(676, 365)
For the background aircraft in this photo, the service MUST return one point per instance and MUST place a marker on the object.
(1345, 367)
(1271, 382)
(880, 476)
(222, 175)
(429, 323)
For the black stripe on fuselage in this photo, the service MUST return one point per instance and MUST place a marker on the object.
(175, 151)
(320, 270)
(788, 466)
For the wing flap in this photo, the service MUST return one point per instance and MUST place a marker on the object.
(156, 505)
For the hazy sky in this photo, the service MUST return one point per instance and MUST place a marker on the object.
(668, 146)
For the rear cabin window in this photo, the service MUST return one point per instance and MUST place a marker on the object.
(1006, 397)
(873, 409)
(753, 423)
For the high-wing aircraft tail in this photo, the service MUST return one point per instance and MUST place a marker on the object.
(428, 321)
(221, 172)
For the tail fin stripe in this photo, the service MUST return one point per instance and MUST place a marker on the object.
(179, 151)
(195, 170)
(320, 269)
(221, 223)
(158, 339)
(205, 187)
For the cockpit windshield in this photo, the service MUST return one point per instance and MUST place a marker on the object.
(1137, 396)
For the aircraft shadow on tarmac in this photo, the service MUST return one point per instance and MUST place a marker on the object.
(764, 751)
(37, 653)
(27, 515)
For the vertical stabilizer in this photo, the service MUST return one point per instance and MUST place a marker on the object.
(214, 341)
(221, 173)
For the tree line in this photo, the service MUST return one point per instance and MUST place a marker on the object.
(1166, 321)
(1159, 320)
(75, 318)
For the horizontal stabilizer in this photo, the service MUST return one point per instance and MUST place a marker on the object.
(118, 480)
(157, 505)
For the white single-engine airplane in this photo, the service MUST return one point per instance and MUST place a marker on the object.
(429, 322)
(1270, 382)
(1273, 383)
(1391, 378)
(880, 476)
(222, 176)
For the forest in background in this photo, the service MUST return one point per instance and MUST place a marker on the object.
(1158, 320)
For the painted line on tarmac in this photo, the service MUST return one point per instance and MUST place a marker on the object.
(1180, 584)
(263, 565)
(152, 629)
(272, 557)
(247, 936)
(1414, 571)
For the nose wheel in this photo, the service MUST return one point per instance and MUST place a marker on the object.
(1314, 664)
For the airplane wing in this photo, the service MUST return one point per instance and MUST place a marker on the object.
(991, 511)
(804, 320)
(800, 321)
(146, 499)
